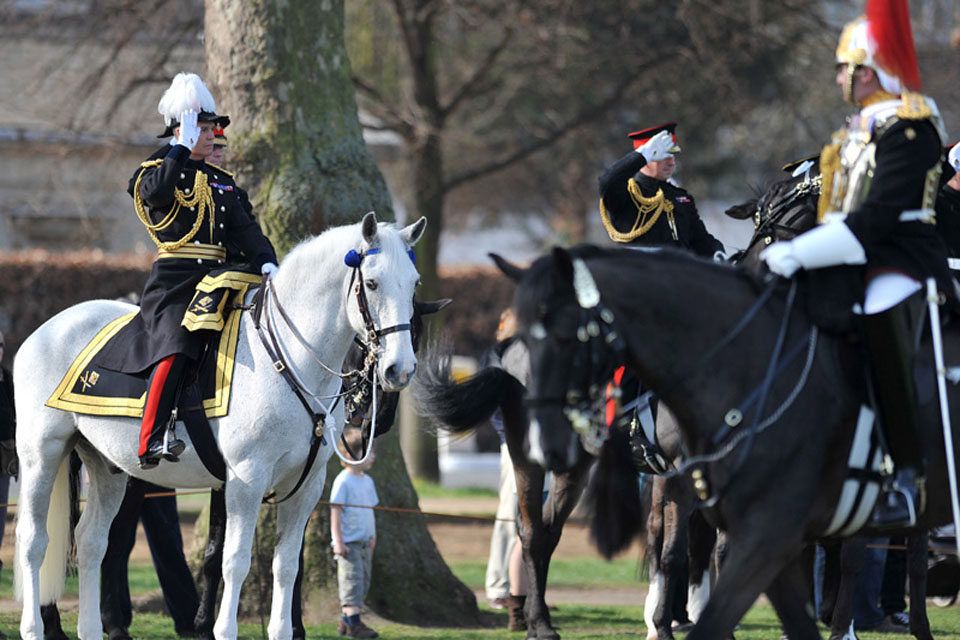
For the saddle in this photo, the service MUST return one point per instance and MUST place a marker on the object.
(92, 389)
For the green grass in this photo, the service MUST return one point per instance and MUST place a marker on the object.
(576, 622)
(426, 489)
(567, 572)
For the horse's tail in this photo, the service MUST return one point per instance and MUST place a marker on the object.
(53, 571)
(458, 406)
(616, 511)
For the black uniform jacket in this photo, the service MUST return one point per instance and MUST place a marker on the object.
(904, 154)
(156, 332)
(691, 234)
(948, 219)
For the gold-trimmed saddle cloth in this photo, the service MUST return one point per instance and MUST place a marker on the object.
(91, 389)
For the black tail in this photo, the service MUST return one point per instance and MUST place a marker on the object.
(457, 407)
(617, 514)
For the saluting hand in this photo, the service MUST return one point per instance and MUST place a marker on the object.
(658, 147)
(189, 133)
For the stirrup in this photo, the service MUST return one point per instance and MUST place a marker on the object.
(900, 505)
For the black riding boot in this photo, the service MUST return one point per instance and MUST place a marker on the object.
(890, 346)
(163, 391)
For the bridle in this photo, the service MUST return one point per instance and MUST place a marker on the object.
(266, 307)
(601, 349)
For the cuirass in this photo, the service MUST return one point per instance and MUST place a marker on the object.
(857, 163)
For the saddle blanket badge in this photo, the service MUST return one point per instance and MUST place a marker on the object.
(88, 379)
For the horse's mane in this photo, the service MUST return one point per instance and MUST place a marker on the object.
(327, 250)
(540, 286)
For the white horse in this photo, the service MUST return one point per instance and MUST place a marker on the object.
(264, 439)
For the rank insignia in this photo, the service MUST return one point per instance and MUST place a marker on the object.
(88, 379)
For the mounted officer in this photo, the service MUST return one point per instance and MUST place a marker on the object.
(190, 209)
(640, 205)
(880, 178)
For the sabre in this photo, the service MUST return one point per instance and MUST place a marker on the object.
(933, 303)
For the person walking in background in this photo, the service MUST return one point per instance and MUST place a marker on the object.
(504, 536)
(353, 533)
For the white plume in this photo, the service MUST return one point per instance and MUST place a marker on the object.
(187, 91)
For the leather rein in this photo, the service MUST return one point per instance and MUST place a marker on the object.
(265, 300)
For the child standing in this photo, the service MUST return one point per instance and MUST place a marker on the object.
(354, 535)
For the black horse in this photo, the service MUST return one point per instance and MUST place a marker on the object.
(769, 415)
(612, 494)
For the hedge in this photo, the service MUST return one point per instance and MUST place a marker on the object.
(35, 285)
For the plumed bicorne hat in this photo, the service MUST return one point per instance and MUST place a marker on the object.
(188, 92)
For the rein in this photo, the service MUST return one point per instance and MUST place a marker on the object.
(266, 301)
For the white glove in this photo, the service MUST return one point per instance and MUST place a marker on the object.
(720, 256)
(954, 157)
(658, 147)
(268, 270)
(188, 133)
(827, 245)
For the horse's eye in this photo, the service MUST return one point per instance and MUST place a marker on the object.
(371, 285)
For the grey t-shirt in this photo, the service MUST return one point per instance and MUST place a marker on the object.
(358, 522)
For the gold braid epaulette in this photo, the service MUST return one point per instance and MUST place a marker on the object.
(202, 199)
(914, 106)
(654, 205)
(229, 174)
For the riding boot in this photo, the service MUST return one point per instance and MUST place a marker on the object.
(518, 620)
(890, 347)
(162, 392)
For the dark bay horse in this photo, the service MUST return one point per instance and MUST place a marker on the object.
(612, 494)
(769, 443)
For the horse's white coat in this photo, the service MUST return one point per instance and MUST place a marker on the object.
(266, 434)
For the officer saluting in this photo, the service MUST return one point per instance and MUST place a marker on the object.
(190, 209)
(645, 208)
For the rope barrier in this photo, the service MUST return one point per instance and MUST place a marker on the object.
(454, 516)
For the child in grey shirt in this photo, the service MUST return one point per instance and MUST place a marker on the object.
(354, 535)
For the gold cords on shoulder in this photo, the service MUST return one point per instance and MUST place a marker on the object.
(201, 199)
(648, 212)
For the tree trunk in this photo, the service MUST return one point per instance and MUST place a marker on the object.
(281, 72)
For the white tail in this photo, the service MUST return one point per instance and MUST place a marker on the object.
(53, 571)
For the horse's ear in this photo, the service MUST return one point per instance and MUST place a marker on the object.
(432, 306)
(742, 211)
(412, 233)
(563, 264)
(510, 270)
(368, 227)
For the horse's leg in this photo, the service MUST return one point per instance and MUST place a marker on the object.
(292, 518)
(754, 559)
(790, 595)
(917, 570)
(565, 491)
(533, 542)
(655, 536)
(40, 462)
(243, 508)
(212, 565)
(673, 557)
(852, 555)
(702, 539)
(104, 496)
